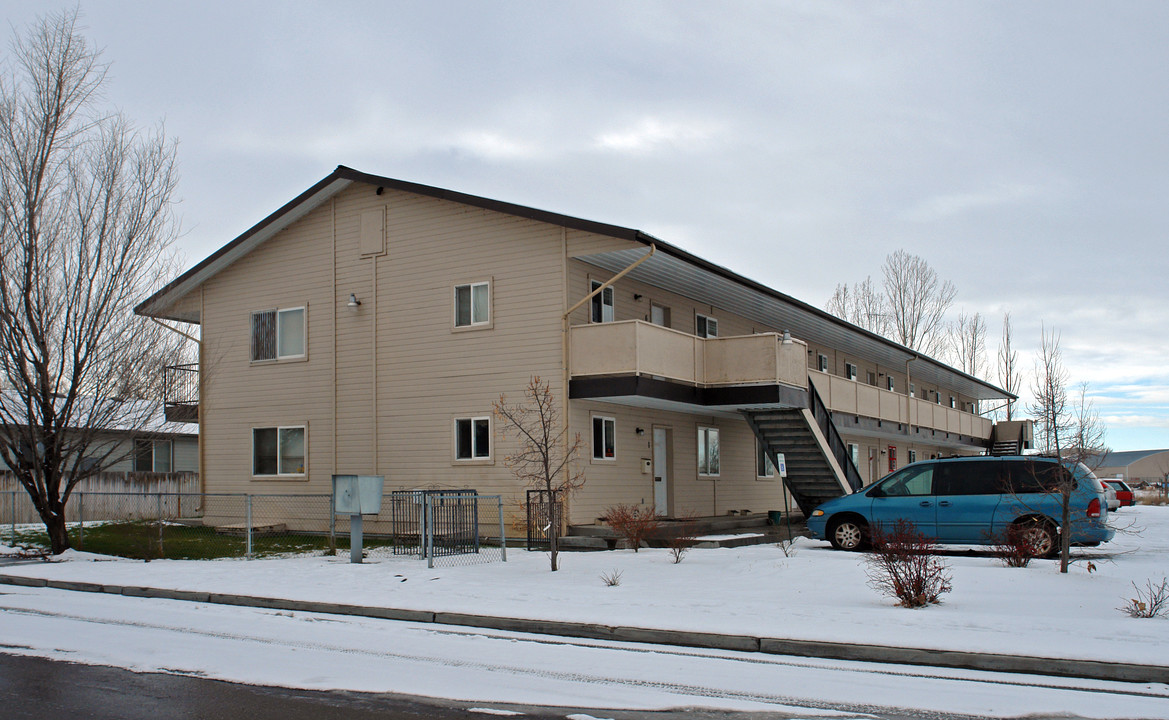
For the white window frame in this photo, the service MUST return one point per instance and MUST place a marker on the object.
(608, 431)
(890, 383)
(608, 309)
(822, 362)
(154, 445)
(705, 326)
(279, 456)
(854, 453)
(953, 402)
(277, 313)
(769, 471)
(475, 449)
(472, 306)
(912, 390)
(705, 435)
(850, 371)
(911, 456)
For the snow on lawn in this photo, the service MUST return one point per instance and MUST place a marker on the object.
(817, 594)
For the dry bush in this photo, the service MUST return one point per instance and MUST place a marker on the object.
(1015, 547)
(611, 578)
(1150, 602)
(685, 537)
(632, 522)
(903, 565)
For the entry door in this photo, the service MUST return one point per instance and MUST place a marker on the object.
(659, 315)
(661, 473)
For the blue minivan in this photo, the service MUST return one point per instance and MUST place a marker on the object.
(974, 501)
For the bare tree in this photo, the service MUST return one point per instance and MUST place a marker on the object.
(862, 305)
(917, 302)
(1008, 366)
(967, 342)
(546, 456)
(1068, 429)
(85, 222)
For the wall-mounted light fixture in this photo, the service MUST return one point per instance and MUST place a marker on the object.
(636, 296)
(787, 337)
(640, 431)
(353, 301)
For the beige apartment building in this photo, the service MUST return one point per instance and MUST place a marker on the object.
(368, 325)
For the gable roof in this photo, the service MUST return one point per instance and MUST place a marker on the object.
(1128, 457)
(671, 268)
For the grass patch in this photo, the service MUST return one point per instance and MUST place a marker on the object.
(141, 540)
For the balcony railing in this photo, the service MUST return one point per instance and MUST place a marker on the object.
(180, 392)
(855, 398)
(636, 347)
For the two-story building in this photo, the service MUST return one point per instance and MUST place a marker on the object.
(368, 325)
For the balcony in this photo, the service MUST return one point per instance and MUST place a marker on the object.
(636, 359)
(848, 397)
(180, 392)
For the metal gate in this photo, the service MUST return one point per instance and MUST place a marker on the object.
(544, 513)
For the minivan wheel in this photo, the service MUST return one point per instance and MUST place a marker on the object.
(847, 534)
(1040, 537)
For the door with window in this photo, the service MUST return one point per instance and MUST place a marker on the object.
(661, 471)
(907, 495)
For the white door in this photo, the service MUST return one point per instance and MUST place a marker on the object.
(659, 315)
(661, 473)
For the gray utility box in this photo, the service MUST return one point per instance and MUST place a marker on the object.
(357, 495)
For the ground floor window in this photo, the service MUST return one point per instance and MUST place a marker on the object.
(152, 456)
(764, 468)
(854, 452)
(604, 438)
(472, 438)
(278, 450)
(708, 452)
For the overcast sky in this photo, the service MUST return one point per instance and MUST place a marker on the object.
(1019, 147)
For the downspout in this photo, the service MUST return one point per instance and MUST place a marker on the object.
(564, 349)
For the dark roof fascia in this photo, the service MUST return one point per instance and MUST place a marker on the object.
(616, 231)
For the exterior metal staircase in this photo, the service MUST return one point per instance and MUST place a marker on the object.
(818, 464)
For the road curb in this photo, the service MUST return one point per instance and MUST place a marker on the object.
(1060, 667)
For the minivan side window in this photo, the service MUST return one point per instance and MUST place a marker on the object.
(1029, 476)
(971, 478)
(913, 480)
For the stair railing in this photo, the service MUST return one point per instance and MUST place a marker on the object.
(832, 435)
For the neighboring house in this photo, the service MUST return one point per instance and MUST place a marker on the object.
(368, 325)
(1135, 466)
(155, 445)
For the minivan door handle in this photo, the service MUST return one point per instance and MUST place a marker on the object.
(944, 503)
(926, 503)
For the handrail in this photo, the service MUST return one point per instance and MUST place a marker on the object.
(832, 435)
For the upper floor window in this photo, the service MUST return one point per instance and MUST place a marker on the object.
(912, 390)
(889, 383)
(152, 456)
(708, 451)
(278, 334)
(870, 377)
(601, 305)
(705, 326)
(604, 438)
(850, 371)
(912, 455)
(822, 362)
(278, 451)
(953, 403)
(472, 304)
(473, 438)
(937, 397)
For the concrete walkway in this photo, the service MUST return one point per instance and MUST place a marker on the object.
(1090, 669)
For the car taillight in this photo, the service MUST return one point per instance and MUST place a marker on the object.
(1094, 508)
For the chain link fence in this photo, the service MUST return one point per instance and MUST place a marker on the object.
(442, 527)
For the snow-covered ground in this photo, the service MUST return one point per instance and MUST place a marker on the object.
(815, 594)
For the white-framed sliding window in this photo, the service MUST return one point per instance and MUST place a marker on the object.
(604, 438)
(708, 452)
(279, 451)
(889, 383)
(153, 456)
(473, 438)
(854, 452)
(601, 308)
(473, 305)
(822, 362)
(279, 334)
(705, 326)
(850, 371)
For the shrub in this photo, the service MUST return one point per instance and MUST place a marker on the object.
(903, 565)
(1150, 602)
(684, 537)
(632, 522)
(1015, 547)
(612, 578)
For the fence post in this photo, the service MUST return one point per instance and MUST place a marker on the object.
(158, 516)
(332, 525)
(502, 537)
(428, 529)
(248, 552)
